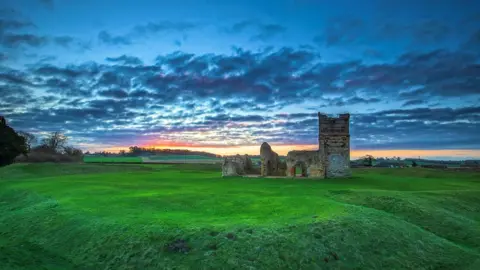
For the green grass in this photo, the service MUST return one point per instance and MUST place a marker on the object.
(99, 216)
(181, 157)
(112, 159)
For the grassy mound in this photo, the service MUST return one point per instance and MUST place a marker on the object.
(94, 216)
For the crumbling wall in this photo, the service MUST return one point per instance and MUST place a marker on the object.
(309, 161)
(334, 145)
(236, 165)
(270, 162)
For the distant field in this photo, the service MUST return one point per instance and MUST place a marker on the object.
(154, 159)
(112, 159)
(179, 157)
(186, 216)
(163, 158)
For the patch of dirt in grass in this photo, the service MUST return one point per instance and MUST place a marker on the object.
(231, 236)
(334, 255)
(212, 246)
(178, 246)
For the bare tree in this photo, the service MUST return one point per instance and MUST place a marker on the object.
(30, 139)
(72, 151)
(55, 141)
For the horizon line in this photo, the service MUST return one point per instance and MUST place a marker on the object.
(284, 149)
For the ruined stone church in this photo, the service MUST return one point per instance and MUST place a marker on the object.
(332, 159)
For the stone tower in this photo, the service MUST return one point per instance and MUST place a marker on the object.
(334, 145)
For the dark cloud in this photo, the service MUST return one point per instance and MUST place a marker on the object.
(240, 26)
(64, 41)
(46, 59)
(125, 60)
(164, 26)
(110, 39)
(65, 72)
(350, 101)
(16, 40)
(111, 78)
(268, 31)
(262, 31)
(436, 73)
(421, 128)
(113, 93)
(413, 102)
(188, 92)
(415, 128)
(6, 24)
(295, 115)
(282, 77)
(15, 78)
(9, 37)
(147, 30)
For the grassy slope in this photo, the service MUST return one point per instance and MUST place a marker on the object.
(88, 216)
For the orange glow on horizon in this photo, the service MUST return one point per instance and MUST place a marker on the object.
(284, 149)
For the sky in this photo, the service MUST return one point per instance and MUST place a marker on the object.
(224, 76)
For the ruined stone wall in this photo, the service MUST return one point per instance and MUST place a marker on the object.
(334, 145)
(236, 165)
(271, 165)
(309, 161)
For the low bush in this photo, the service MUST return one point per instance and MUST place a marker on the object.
(45, 154)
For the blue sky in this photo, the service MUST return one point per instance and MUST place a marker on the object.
(231, 74)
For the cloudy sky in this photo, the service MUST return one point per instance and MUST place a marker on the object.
(225, 75)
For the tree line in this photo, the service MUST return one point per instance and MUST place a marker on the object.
(136, 151)
(26, 147)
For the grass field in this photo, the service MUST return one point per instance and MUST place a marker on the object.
(168, 157)
(100, 216)
(159, 158)
(94, 159)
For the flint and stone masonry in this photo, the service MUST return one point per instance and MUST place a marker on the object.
(331, 160)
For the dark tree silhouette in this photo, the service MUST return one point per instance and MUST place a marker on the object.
(30, 139)
(368, 160)
(55, 141)
(414, 164)
(11, 144)
(72, 151)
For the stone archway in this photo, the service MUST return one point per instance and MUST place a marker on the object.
(301, 167)
(306, 161)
